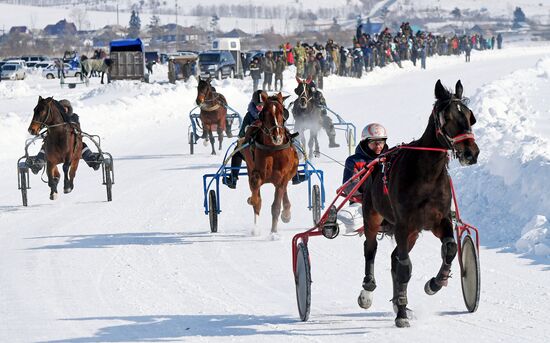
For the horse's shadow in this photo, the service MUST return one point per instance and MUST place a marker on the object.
(175, 327)
(100, 241)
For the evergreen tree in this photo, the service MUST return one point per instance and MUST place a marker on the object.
(135, 25)
(456, 13)
(519, 17)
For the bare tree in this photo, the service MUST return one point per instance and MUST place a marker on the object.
(80, 17)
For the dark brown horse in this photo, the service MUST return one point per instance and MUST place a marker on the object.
(213, 113)
(273, 160)
(413, 194)
(63, 143)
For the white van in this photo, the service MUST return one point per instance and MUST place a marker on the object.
(22, 63)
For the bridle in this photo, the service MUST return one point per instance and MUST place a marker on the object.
(48, 115)
(212, 101)
(268, 131)
(439, 121)
(304, 95)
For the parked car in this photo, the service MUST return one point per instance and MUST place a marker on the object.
(42, 65)
(50, 72)
(35, 59)
(218, 63)
(22, 63)
(12, 72)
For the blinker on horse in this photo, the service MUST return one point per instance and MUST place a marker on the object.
(213, 114)
(63, 143)
(412, 193)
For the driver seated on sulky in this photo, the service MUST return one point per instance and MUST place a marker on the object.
(36, 163)
(372, 144)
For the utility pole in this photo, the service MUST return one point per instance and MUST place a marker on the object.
(177, 28)
(117, 23)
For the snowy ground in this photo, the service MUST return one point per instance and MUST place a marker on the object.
(144, 267)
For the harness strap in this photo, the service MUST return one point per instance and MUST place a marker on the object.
(272, 147)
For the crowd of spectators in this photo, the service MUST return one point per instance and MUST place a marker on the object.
(316, 61)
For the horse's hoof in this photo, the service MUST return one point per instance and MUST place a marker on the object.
(274, 236)
(431, 287)
(53, 196)
(67, 190)
(365, 299)
(402, 322)
(286, 218)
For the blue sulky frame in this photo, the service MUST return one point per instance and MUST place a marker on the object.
(348, 128)
(340, 124)
(316, 193)
(194, 132)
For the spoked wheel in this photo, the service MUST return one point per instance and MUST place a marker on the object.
(191, 143)
(108, 179)
(23, 174)
(316, 203)
(302, 278)
(213, 211)
(470, 276)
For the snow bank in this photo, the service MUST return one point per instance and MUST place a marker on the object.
(535, 237)
(509, 185)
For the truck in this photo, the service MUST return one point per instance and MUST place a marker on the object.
(128, 58)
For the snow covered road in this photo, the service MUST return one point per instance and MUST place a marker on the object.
(144, 267)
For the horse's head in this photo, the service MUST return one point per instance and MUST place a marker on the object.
(272, 118)
(453, 122)
(204, 89)
(304, 92)
(43, 115)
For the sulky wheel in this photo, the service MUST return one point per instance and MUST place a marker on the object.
(470, 274)
(302, 278)
(316, 204)
(213, 211)
(108, 179)
(191, 143)
(23, 174)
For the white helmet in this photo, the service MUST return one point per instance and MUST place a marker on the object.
(374, 131)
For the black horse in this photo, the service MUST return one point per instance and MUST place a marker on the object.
(307, 115)
(412, 193)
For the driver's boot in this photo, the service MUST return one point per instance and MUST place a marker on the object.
(36, 163)
(92, 159)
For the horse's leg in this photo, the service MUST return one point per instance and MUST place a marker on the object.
(102, 74)
(255, 182)
(371, 223)
(67, 187)
(448, 252)
(220, 137)
(310, 144)
(285, 216)
(401, 269)
(53, 179)
(72, 171)
(316, 151)
(276, 208)
(212, 141)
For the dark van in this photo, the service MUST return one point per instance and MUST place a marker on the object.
(217, 63)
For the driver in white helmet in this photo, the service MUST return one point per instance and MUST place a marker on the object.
(372, 144)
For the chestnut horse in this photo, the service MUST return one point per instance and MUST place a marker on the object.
(412, 193)
(213, 113)
(63, 143)
(273, 160)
